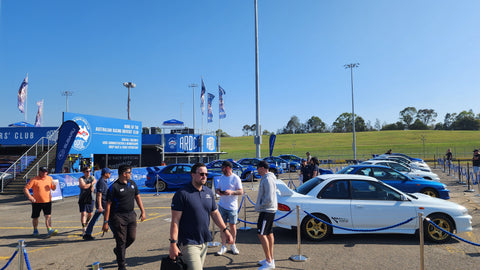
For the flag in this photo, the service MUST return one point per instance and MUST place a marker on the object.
(202, 97)
(210, 113)
(221, 109)
(22, 95)
(38, 119)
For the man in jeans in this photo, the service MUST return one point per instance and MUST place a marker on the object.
(120, 213)
(229, 187)
(476, 163)
(100, 202)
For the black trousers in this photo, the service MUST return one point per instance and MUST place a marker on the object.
(124, 227)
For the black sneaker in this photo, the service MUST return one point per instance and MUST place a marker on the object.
(88, 237)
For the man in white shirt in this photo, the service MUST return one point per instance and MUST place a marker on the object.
(229, 187)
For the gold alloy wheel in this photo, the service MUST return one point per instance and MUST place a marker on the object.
(315, 229)
(430, 192)
(436, 234)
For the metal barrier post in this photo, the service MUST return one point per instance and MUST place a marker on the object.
(156, 186)
(444, 164)
(434, 162)
(245, 227)
(213, 243)
(469, 189)
(421, 233)
(459, 173)
(21, 257)
(299, 257)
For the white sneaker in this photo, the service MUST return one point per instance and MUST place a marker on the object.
(222, 250)
(262, 262)
(235, 249)
(267, 265)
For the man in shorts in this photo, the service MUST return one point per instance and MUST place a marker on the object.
(229, 187)
(85, 199)
(41, 186)
(267, 206)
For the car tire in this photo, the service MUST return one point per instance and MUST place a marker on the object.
(247, 176)
(315, 230)
(433, 234)
(430, 192)
(160, 185)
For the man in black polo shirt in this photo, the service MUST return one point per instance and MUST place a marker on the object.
(192, 207)
(119, 213)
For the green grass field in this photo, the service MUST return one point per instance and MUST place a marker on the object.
(418, 143)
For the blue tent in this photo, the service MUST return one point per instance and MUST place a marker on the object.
(21, 124)
(173, 122)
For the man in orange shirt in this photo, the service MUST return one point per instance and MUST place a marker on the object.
(41, 199)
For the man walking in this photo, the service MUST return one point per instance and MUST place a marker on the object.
(476, 162)
(41, 199)
(120, 213)
(100, 202)
(85, 200)
(267, 206)
(192, 207)
(229, 187)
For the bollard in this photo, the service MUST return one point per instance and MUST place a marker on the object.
(213, 243)
(469, 189)
(299, 257)
(156, 187)
(96, 266)
(245, 227)
(421, 234)
(21, 257)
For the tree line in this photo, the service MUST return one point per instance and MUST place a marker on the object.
(409, 119)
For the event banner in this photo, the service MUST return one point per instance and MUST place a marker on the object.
(24, 135)
(185, 143)
(69, 181)
(66, 135)
(102, 135)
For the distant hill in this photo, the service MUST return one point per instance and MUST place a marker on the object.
(418, 143)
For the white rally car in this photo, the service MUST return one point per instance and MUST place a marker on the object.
(413, 173)
(362, 202)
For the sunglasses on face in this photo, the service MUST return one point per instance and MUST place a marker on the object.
(203, 174)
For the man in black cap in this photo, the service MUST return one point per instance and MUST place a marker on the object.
(476, 162)
(41, 199)
(85, 199)
(100, 202)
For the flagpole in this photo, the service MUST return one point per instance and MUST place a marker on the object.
(26, 98)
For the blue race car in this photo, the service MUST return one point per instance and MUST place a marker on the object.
(294, 162)
(276, 169)
(399, 180)
(244, 172)
(173, 176)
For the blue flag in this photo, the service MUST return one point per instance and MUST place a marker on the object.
(210, 113)
(22, 95)
(272, 143)
(221, 109)
(66, 136)
(202, 97)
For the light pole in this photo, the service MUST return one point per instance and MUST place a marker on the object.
(193, 85)
(351, 66)
(258, 138)
(129, 85)
(67, 94)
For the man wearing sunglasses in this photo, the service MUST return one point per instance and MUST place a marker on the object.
(120, 213)
(85, 199)
(192, 207)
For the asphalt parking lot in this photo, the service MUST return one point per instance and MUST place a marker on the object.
(67, 250)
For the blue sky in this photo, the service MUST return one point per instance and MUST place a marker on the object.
(423, 54)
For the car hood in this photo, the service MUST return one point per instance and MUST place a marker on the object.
(430, 203)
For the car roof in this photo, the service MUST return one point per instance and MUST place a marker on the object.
(346, 177)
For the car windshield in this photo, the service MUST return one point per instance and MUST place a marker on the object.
(346, 170)
(307, 186)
